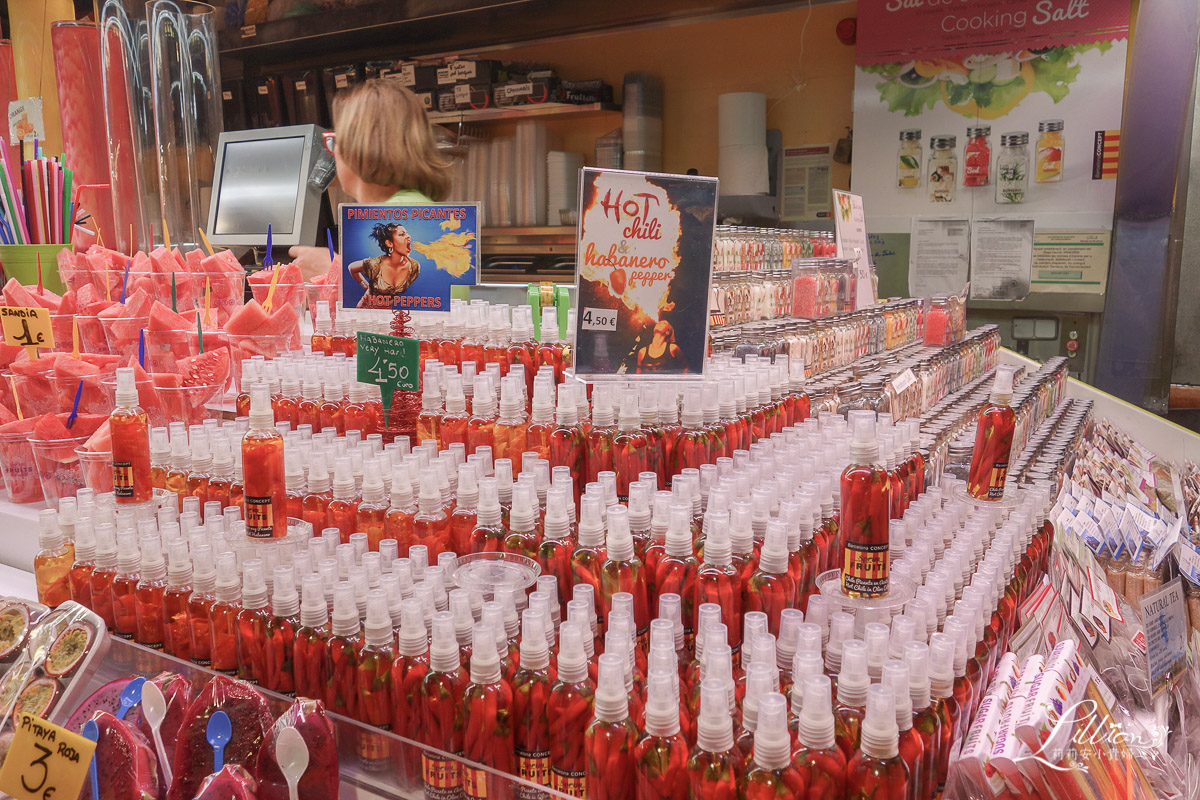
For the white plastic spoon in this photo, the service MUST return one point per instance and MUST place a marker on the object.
(154, 709)
(292, 754)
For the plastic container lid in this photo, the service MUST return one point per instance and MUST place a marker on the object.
(487, 572)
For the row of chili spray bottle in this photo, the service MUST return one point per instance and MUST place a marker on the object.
(993, 441)
(333, 336)
(865, 512)
(265, 491)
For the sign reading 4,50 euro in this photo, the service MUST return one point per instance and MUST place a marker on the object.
(408, 256)
(644, 271)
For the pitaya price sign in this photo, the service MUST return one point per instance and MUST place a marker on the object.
(389, 362)
(644, 258)
(45, 762)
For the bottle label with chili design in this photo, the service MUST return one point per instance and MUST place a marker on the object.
(260, 517)
(122, 479)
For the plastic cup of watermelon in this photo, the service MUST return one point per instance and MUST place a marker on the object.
(34, 392)
(20, 473)
(318, 293)
(226, 294)
(63, 326)
(58, 466)
(176, 403)
(97, 469)
(244, 346)
(164, 349)
(293, 294)
(122, 333)
(94, 399)
(91, 335)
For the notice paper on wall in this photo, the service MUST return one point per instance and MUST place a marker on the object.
(850, 230)
(939, 253)
(1001, 258)
(807, 181)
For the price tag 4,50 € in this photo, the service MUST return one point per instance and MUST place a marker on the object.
(45, 762)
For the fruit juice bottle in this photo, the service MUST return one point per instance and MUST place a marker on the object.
(376, 703)
(771, 588)
(717, 582)
(771, 773)
(104, 574)
(358, 413)
(331, 409)
(816, 755)
(181, 462)
(312, 640)
(252, 622)
(408, 674)
(308, 410)
(443, 721)
(252, 370)
(343, 508)
(510, 428)
(796, 403)
(865, 494)
(910, 745)
(132, 482)
(371, 514)
(570, 709)
(79, 579)
(129, 561)
(265, 492)
(495, 349)
(342, 653)
(160, 457)
(941, 691)
(431, 525)
(611, 737)
(993, 441)
(52, 564)
(224, 615)
(630, 445)
(280, 634)
(714, 768)
(532, 686)
(482, 422)
(199, 606)
(522, 349)
(322, 338)
(176, 619)
(524, 529)
(148, 594)
(876, 771)
(598, 455)
(201, 471)
(487, 708)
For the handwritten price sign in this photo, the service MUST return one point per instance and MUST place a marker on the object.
(28, 327)
(389, 362)
(45, 762)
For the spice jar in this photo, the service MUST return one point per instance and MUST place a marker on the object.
(943, 168)
(1049, 151)
(908, 160)
(977, 157)
(1012, 167)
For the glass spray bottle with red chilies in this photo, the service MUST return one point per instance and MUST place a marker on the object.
(148, 594)
(531, 698)
(342, 653)
(130, 443)
(993, 441)
(661, 754)
(264, 490)
(279, 649)
(408, 673)
(876, 771)
(771, 773)
(312, 639)
(376, 704)
(570, 709)
(252, 623)
(821, 762)
(441, 698)
(865, 496)
(610, 738)
(715, 766)
(176, 617)
(630, 445)
(224, 615)
(487, 708)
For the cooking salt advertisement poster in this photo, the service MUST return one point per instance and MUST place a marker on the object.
(644, 267)
(989, 108)
(407, 257)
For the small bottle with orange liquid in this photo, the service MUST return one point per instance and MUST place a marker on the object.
(431, 525)
(332, 406)
(550, 351)
(181, 462)
(474, 338)
(314, 506)
(308, 410)
(201, 471)
(160, 457)
(344, 339)
(371, 514)
(482, 423)
(511, 425)
(495, 351)
(264, 487)
(358, 413)
(322, 338)
(343, 509)
(52, 564)
(541, 421)
(454, 422)
(287, 408)
(130, 427)
(84, 564)
(430, 418)
(398, 524)
(251, 374)
(220, 485)
(450, 342)
(293, 477)
(464, 518)
(522, 349)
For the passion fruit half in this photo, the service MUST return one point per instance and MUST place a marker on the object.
(14, 626)
(10, 684)
(68, 649)
(38, 697)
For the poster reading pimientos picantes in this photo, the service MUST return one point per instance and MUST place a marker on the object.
(644, 267)
(989, 108)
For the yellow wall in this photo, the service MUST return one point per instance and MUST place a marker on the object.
(34, 59)
(809, 98)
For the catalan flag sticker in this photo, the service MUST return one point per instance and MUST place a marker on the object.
(1105, 152)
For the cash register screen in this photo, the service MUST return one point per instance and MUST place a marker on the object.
(260, 183)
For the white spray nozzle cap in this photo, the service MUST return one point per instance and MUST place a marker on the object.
(772, 743)
(880, 734)
(815, 725)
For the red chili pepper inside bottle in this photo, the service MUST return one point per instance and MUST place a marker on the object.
(866, 495)
(224, 615)
(852, 683)
(510, 430)
(343, 654)
(876, 771)
(123, 586)
(941, 687)
(376, 704)
(130, 443)
(487, 710)
(265, 491)
(431, 525)
(676, 572)
(661, 754)
(308, 410)
(442, 700)
(621, 571)
(926, 723)
(714, 769)
(550, 352)
(770, 588)
(342, 512)
(693, 446)
(83, 566)
(993, 441)
(252, 624)
(104, 575)
(199, 606)
(590, 553)
(911, 745)
(557, 545)
(371, 514)
(408, 673)
(717, 580)
(481, 425)
(598, 455)
(772, 773)
(610, 738)
(148, 594)
(531, 702)
(312, 640)
(816, 755)
(524, 535)
(570, 711)
(176, 618)
(631, 446)
(331, 408)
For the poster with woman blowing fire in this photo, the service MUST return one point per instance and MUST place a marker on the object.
(644, 263)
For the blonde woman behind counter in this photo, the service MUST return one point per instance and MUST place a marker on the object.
(385, 151)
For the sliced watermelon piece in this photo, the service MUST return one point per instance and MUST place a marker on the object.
(162, 318)
(166, 380)
(106, 362)
(21, 426)
(210, 368)
(69, 304)
(247, 320)
(6, 416)
(289, 289)
(100, 440)
(194, 259)
(69, 371)
(50, 428)
(34, 389)
(10, 353)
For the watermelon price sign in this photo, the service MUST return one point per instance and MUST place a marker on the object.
(45, 762)
(389, 362)
(28, 327)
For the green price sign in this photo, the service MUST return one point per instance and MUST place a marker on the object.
(390, 362)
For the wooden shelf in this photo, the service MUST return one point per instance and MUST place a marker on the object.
(524, 112)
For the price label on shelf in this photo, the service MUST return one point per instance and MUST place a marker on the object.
(389, 362)
(599, 319)
(28, 327)
(45, 762)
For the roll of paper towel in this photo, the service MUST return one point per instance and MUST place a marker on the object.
(742, 119)
(743, 169)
